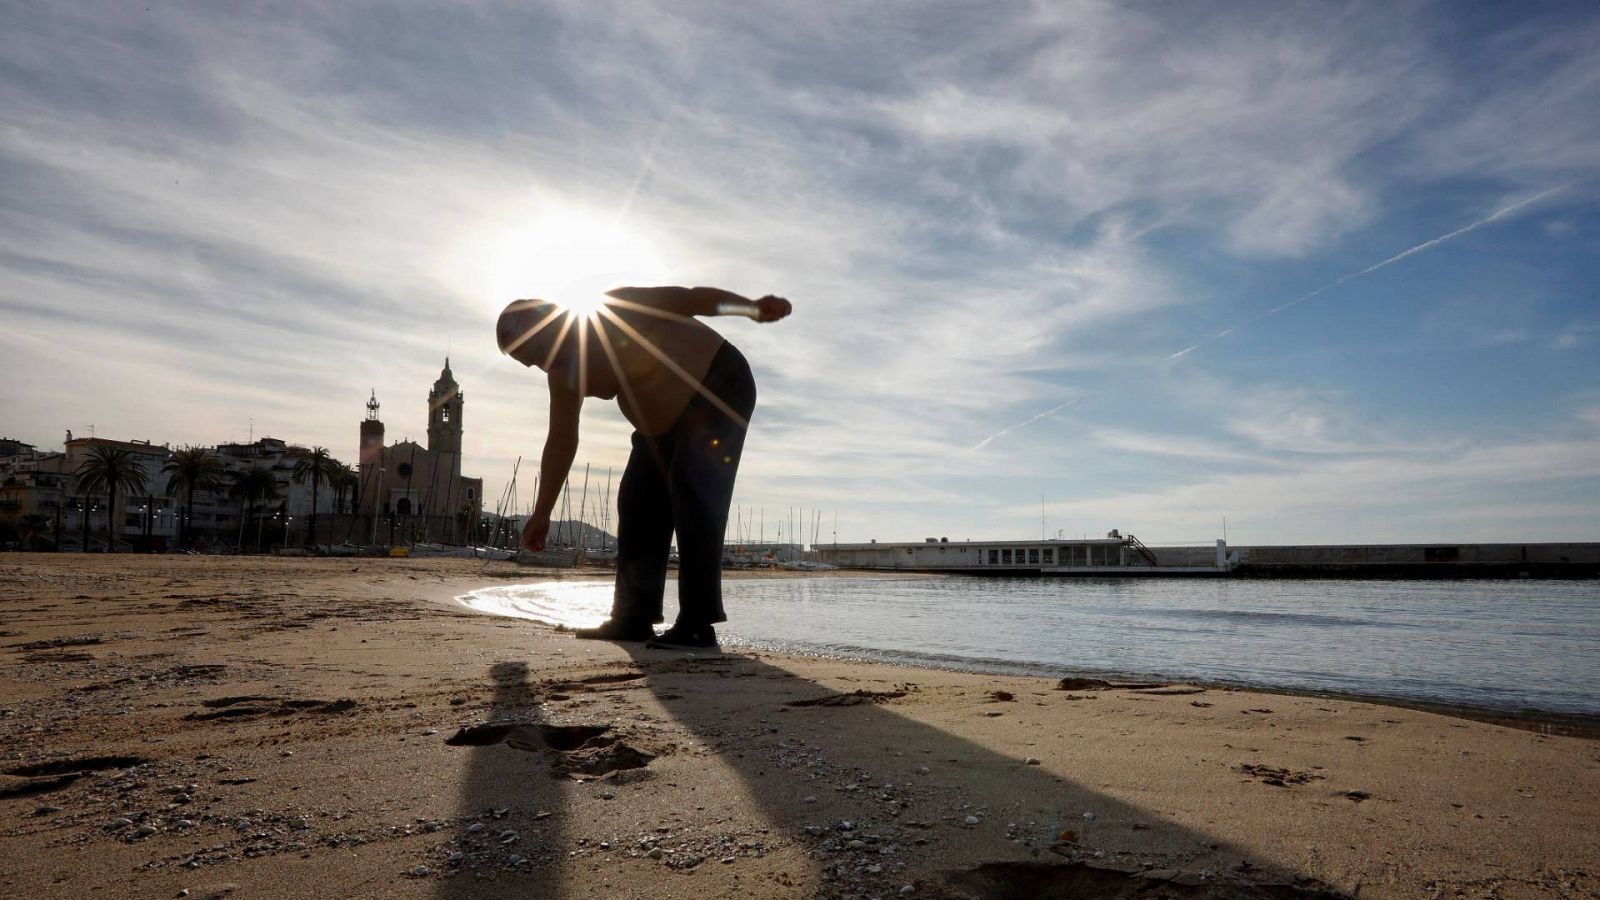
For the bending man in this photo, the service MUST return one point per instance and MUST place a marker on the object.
(689, 395)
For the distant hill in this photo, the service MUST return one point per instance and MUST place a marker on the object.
(570, 533)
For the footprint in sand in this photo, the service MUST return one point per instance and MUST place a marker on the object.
(588, 750)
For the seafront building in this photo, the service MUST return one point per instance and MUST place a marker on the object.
(1114, 554)
(45, 484)
(405, 490)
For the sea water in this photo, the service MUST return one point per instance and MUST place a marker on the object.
(1509, 645)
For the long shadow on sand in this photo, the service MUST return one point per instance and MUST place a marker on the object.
(908, 788)
(511, 808)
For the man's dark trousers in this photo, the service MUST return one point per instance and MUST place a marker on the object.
(682, 481)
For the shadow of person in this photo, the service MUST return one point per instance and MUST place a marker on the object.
(510, 813)
(877, 800)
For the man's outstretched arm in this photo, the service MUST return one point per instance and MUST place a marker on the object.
(704, 301)
(560, 448)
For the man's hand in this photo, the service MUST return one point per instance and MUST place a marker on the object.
(772, 308)
(535, 532)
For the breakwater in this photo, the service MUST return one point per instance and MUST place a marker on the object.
(1440, 560)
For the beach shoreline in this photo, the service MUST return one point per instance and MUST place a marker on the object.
(285, 726)
(1536, 719)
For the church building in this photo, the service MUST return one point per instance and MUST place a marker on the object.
(421, 488)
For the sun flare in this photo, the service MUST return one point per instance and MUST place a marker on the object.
(570, 257)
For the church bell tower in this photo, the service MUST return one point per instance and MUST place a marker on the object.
(371, 434)
(444, 418)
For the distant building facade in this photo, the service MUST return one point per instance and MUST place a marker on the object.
(420, 489)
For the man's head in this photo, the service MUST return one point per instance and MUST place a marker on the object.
(528, 329)
(548, 336)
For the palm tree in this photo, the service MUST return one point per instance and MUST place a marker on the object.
(321, 469)
(251, 487)
(345, 484)
(192, 468)
(111, 467)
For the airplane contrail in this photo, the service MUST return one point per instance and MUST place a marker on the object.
(1425, 245)
(1005, 431)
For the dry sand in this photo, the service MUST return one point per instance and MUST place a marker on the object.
(282, 728)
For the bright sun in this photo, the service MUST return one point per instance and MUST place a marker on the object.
(570, 257)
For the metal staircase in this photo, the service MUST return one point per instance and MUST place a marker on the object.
(1144, 551)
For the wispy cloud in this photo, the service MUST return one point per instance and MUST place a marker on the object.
(1495, 216)
(217, 214)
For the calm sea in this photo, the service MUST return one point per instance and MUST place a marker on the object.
(1509, 645)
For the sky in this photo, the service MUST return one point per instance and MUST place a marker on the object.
(1329, 272)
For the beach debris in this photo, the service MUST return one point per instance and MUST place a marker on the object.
(854, 698)
(604, 760)
(1082, 684)
(1357, 796)
(1275, 776)
(1002, 696)
(47, 809)
(1031, 761)
(1200, 703)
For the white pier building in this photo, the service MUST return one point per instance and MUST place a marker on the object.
(1114, 554)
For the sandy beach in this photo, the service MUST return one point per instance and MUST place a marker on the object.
(261, 727)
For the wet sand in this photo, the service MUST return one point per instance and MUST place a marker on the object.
(296, 727)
